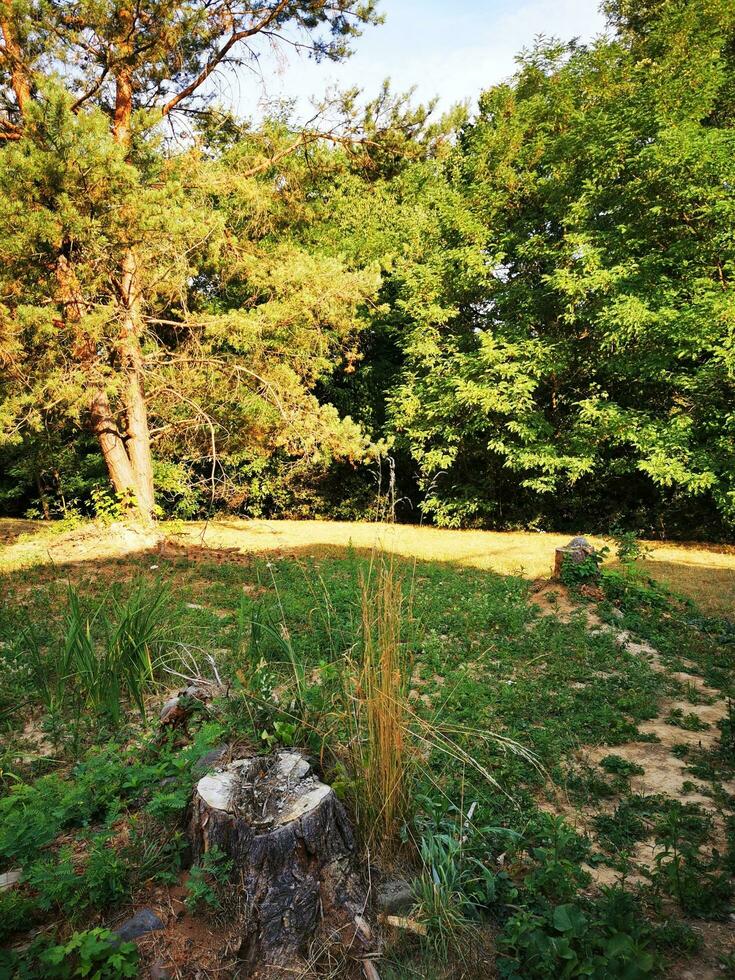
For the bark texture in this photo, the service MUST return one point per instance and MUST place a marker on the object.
(293, 846)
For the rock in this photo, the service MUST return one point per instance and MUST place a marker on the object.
(210, 758)
(10, 878)
(159, 971)
(583, 544)
(144, 920)
(394, 895)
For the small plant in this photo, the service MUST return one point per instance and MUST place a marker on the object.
(726, 747)
(576, 573)
(206, 881)
(607, 938)
(109, 507)
(628, 548)
(96, 954)
(380, 715)
(618, 766)
(689, 722)
(457, 883)
(105, 656)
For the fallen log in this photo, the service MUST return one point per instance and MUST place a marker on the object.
(293, 848)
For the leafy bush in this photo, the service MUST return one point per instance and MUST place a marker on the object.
(606, 939)
(628, 549)
(95, 954)
(575, 573)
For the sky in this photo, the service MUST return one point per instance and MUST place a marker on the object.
(451, 49)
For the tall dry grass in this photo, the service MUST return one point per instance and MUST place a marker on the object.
(383, 756)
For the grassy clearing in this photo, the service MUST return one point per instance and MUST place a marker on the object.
(395, 675)
(703, 573)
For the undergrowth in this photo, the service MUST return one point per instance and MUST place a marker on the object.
(440, 706)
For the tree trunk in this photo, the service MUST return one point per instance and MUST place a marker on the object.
(138, 442)
(137, 433)
(14, 58)
(293, 851)
(105, 427)
(105, 424)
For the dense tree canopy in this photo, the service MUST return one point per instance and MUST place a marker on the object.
(530, 310)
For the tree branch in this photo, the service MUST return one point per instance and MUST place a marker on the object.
(219, 56)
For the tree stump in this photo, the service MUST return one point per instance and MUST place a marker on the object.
(293, 847)
(575, 552)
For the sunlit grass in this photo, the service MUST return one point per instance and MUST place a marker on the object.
(704, 573)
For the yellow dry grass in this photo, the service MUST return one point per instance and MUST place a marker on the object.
(706, 573)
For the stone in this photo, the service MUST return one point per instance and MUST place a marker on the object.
(10, 878)
(210, 758)
(394, 895)
(159, 971)
(144, 920)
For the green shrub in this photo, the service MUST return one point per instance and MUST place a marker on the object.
(606, 939)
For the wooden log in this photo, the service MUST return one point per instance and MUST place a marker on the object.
(294, 850)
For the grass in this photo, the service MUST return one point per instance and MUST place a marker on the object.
(395, 673)
(378, 710)
(704, 573)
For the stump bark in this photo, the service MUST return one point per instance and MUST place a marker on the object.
(293, 848)
(575, 552)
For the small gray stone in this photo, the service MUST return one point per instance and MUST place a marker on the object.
(144, 920)
(169, 707)
(395, 895)
(210, 758)
(159, 971)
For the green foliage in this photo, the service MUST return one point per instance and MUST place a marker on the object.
(575, 573)
(532, 311)
(104, 656)
(617, 765)
(607, 938)
(457, 882)
(17, 913)
(207, 880)
(577, 342)
(95, 954)
(628, 549)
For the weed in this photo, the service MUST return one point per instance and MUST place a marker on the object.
(104, 657)
(690, 721)
(604, 939)
(576, 573)
(457, 882)
(617, 765)
(628, 548)
(379, 714)
(95, 953)
(206, 881)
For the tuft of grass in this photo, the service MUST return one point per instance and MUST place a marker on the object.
(109, 655)
(381, 752)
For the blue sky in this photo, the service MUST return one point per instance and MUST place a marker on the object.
(449, 49)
